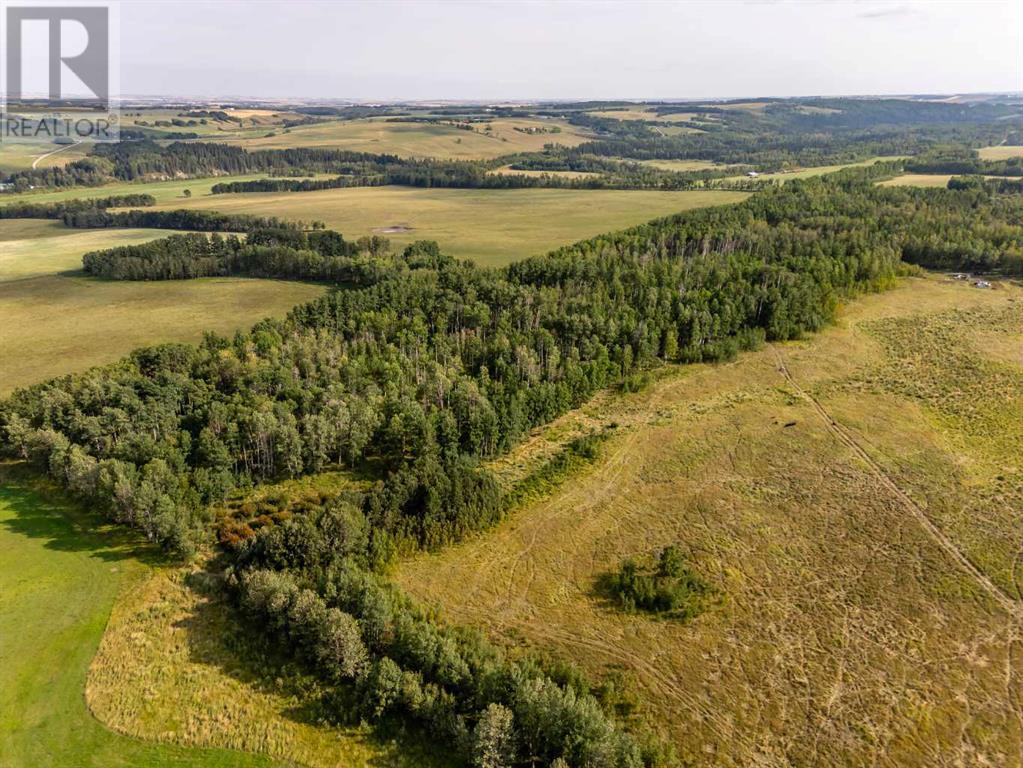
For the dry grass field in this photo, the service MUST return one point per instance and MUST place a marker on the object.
(415, 139)
(57, 324)
(999, 153)
(853, 498)
(493, 227)
(918, 180)
(644, 113)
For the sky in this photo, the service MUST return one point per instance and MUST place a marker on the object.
(539, 49)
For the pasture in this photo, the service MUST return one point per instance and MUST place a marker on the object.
(644, 113)
(918, 180)
(165, 192)
(35, 247)
(57, 324)
(1003, 152)
(421, 139)
(177, 665)
(851, 499)
(20, 156)
(492, 227)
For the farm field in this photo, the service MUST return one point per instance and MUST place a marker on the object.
(849, 497)
(34, 247)
(63, 570)
(820, 170)
(411, 139)
(55, 324)
(493, 227)
(918, 180)
(640, 113)
(164, 191)
(17, 156)
(999, 153)
(681, 165)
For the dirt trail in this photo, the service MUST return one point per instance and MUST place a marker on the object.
(1011, 606)
(48, 154)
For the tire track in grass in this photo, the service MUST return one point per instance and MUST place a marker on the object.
(1006, 601)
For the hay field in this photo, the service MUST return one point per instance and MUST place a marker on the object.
(493, 227)
(440, 140)
(164, 191)
(1002, 152)
(854, 499)
(57, 324)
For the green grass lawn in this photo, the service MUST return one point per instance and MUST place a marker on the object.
(62, 570)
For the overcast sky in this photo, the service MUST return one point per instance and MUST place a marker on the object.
(519, 50)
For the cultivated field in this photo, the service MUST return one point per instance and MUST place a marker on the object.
(493, 227)
(418, 139)
(62, 571)
(854, 500)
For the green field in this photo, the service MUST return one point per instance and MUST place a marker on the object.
(34, 247)
(441, 140)
(62, 571)
(56, 324)
(19, 156)
(56, 320)
(493, 227)
(164, 191)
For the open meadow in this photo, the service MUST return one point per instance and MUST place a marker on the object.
(56, 324)
(55, 320)
(442, 139)
(165, 192)
(849, 497)
(491, 226)
(1003, 152)
(63, 570)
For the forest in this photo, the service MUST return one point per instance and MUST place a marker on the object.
(415, 370)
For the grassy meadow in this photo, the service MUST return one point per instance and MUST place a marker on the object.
(165, 192)
(415, 139)
(57, 324)
(20, 156)
(1003, 152)
(35, 247)
(850, 497)
(63, 570)
(493, 227)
